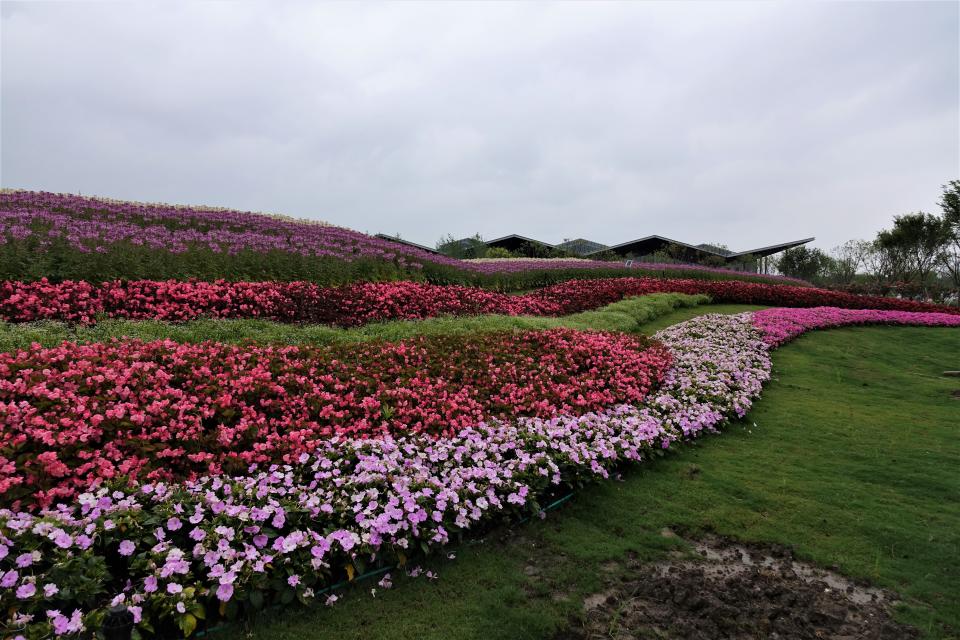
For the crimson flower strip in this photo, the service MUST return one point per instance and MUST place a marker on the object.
(77, 414)
(782, 325)
(177, 301)
(358, 304)
(581, 295)
(168, 551)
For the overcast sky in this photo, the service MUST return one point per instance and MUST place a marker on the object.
(744, 124)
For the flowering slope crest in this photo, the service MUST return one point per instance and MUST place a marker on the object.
(77, 414)
(171, 551)
(57, 234)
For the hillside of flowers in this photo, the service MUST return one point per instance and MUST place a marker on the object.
(78, 414)
(70, 237)
(227, 540)
(357, 304)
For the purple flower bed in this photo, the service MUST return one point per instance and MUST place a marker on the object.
(90, 225)
(105, 239)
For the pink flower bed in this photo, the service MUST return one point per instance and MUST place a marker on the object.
(782, 325)
(78, 414)
(358, 304)
(178, 301)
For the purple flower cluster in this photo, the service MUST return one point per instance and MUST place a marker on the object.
(519, 265)
(287, 531)
(781, 325)
(93, 225)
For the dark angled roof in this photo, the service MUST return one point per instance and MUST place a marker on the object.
(651, 244)
(514, 241)
(654, 243)
(581, 246)
(772, 249)
(384, 236)
(715, 249)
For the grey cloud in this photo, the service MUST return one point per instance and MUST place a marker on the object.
(741, 123)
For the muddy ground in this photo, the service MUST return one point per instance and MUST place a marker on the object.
(736, 591)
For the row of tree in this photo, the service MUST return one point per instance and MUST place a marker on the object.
(918, 256)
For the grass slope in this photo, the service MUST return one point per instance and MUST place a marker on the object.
(854, 461)
(630, 314)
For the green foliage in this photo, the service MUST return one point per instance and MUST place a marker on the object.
(498, 252)
(950, 204)
(950, 257)
(914, 244)
(462, 248)
(804, 263)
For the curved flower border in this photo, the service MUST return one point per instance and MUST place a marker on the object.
(281, 533)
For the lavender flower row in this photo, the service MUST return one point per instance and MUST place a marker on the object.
(281, 533)
(94, 225)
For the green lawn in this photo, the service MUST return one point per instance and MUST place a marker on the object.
(852, 457)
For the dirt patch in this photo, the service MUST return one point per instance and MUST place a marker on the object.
(737, 592)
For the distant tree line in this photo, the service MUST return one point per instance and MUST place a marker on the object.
(919, 256)
(475, 247)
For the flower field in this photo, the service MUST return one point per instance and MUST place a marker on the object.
(64, 236)
(76, 415)
(194, 482)
(205, 479)
(358, 304)
(782, 325)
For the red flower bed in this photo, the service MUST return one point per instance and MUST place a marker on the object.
(76, 413)
(581, 295)
(358, 304)
(174, 300)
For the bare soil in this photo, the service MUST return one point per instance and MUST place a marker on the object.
(739, 592)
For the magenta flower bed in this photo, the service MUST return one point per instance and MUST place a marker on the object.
(77, 414)
(358, 304)
(782, 325)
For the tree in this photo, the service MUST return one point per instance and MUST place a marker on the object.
(803, 263)
(915, 244)
(848, 259)
(950, 256)
(464, 248)
(498, 252)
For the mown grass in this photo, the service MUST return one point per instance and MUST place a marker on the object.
(627, 315)
(852, 457)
